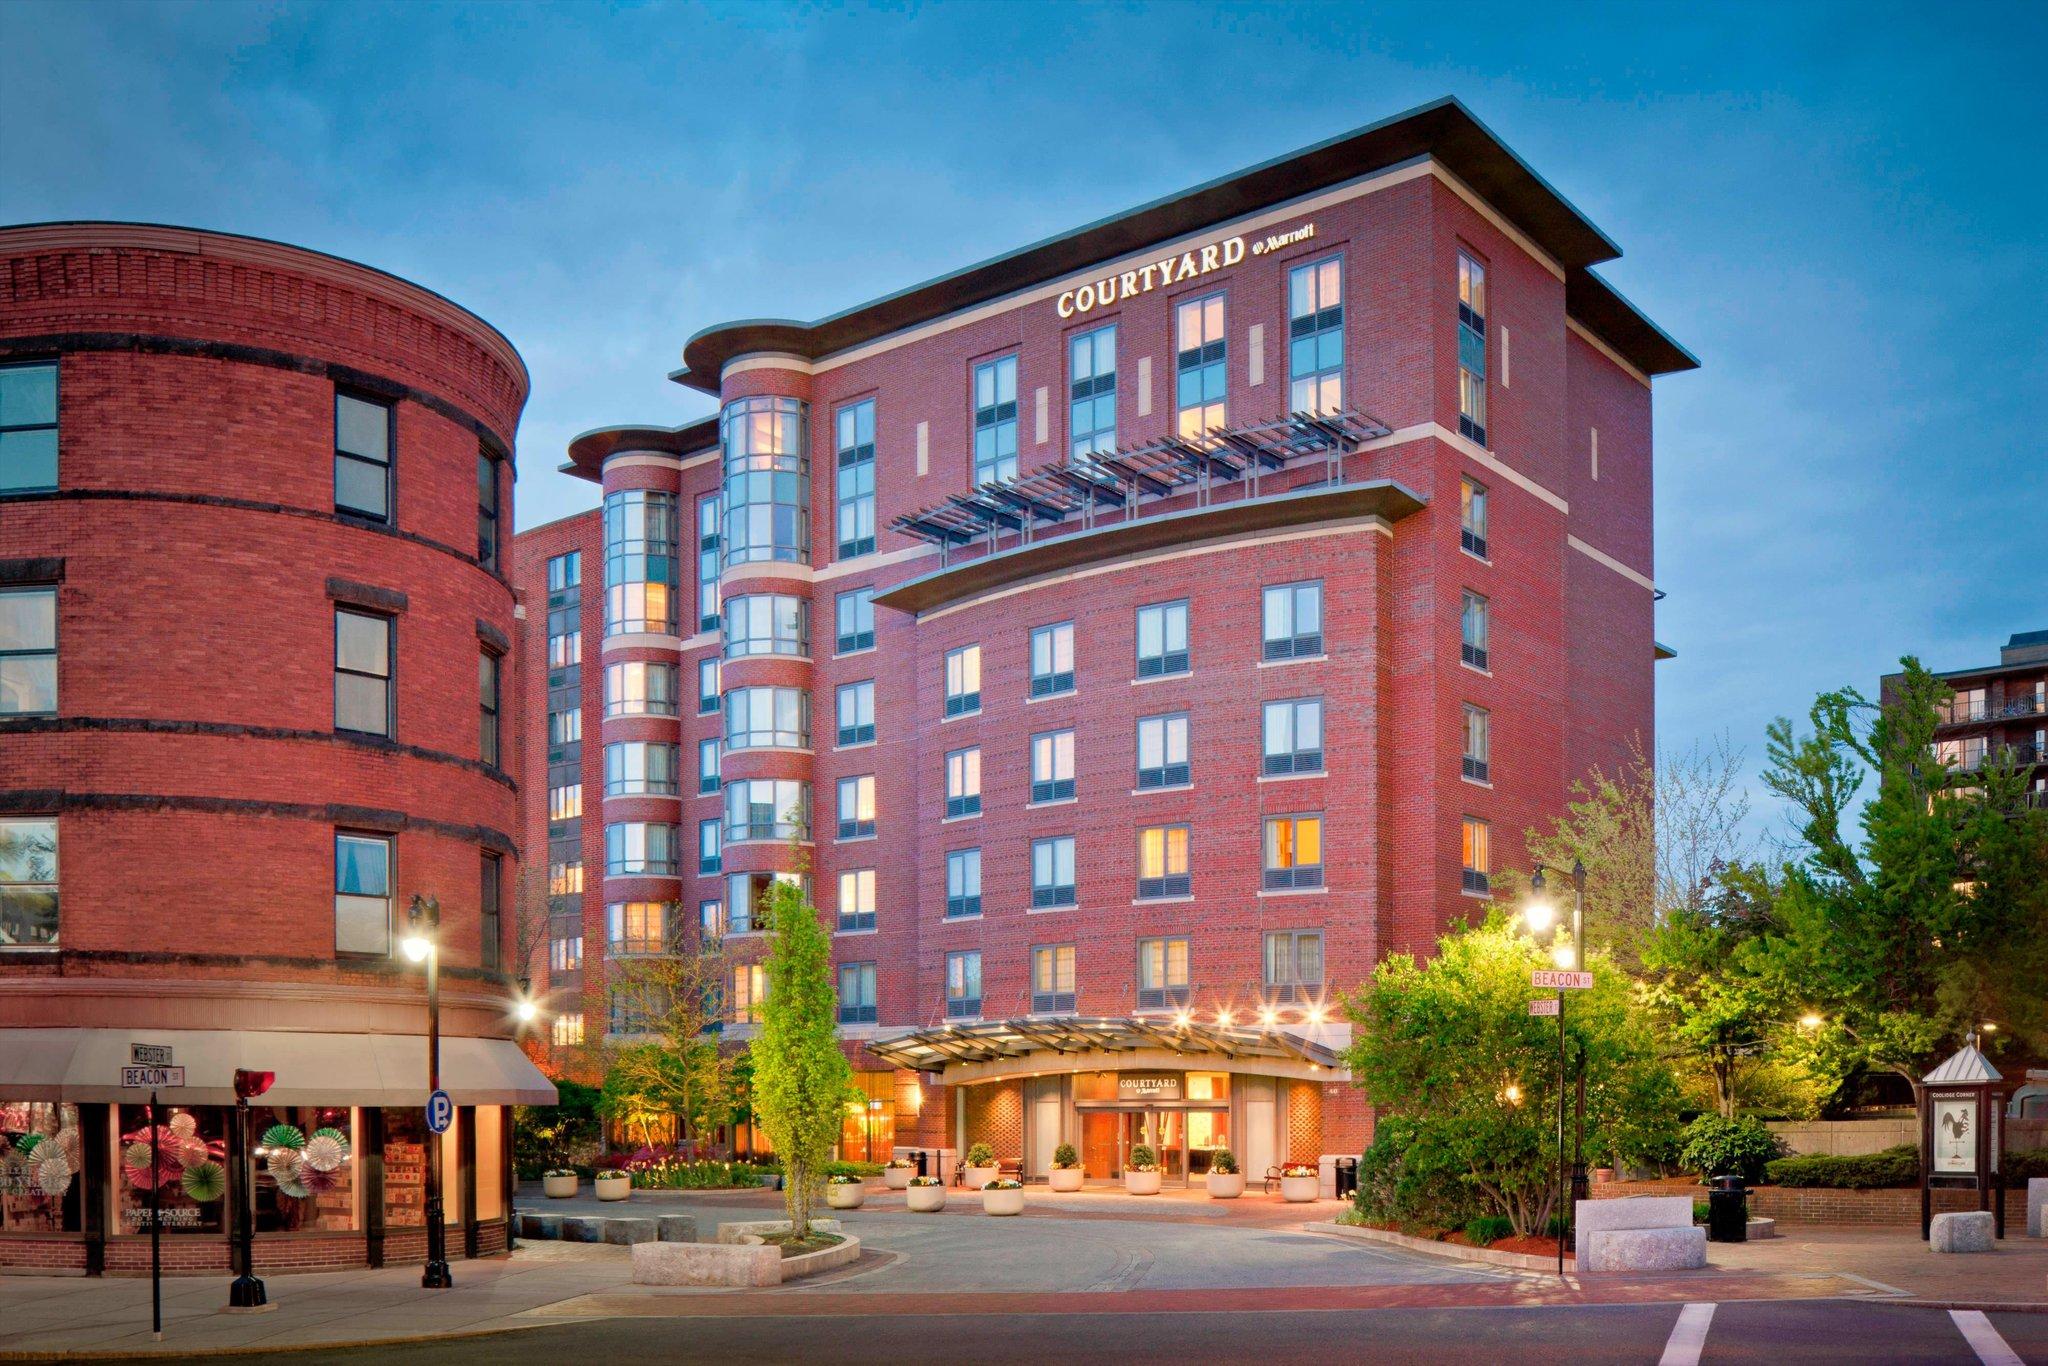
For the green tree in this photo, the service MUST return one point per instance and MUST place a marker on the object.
(1450, 1049)
(801, 1081)
(676, 1068)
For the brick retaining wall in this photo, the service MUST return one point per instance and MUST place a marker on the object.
(1895, 1208)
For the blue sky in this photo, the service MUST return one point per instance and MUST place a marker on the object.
(1838, 208)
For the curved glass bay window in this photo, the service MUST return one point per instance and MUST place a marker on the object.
(640, 849)
(635, 688)
(767, 809)
(767, 718)
(640, 571)
(638, 768)
(767, 481)
(767, 624)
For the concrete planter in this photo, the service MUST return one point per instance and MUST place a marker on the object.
(613, 1187)
(558, 1187)
(1299, 1190)
(845, 1194)
(977, 1177)
(928, 1199)
(897, 1178)
(1225, 1185)
(1064, 1178)
(1002, 1202)
(1142, 1183)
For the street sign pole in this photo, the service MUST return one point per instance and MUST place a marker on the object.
(156, 1224)
(1560, 1131)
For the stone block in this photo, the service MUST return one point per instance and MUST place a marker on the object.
(1643, 1249)
(630, 1231)
(676, 1228)
(583, 1229)
(1975, 1231)
(1632, 1212)
(658, 1263)
(540, 1227)
(1760, 1229)
(761, 1228)
(2037, 1206)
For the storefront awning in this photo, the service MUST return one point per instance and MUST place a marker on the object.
(929, 1050)
(312, 1069)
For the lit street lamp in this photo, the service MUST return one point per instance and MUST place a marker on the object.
(422, 944)
(1540, 914)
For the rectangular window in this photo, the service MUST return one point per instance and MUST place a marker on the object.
(565, 571)
(767, 809)
(707, 686)
(749, 990)
(1315, 337)
(1294, 851)
(564, 728)
(1091, 393)
(1052, 872)
(857, 479)
(1163, 867)
(565, 637)
(362, 457)
(857, 713)
(857, 807)
(710, 923)
(963, 985)
(1052, 659)
(1294, 736)
(963, 783)
(1052, 766)
(963, 883)
(639, 928)
(857, 993)
(1294, 963)
(1200, 374)
(1471, 348)
(28, 884)
(639, 689)
(995, 420)
(489, 927)
(707, 766)
(1052, 979)
(857, 899)
(1163, 750)
(565, 948)
(856, 613)
(28, 651)
(963, 680)
(362, 672)
(362, 894)
(1293, 619)
(1472, 517)
(1474, 842)
(708, 542)
(639, 849)
(28, 427)
(566, 1031)
(1163, 639)
(1473, 631)
(565, 872)
(641, 768)
(1162, 973)
(710, 847)
(1478, 741)
(487, 701)
(565, 802)
(486, 510)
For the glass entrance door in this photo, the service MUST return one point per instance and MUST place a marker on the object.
(1165, 1132)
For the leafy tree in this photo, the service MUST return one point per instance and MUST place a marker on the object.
(678, 1068)
(1449, 1049)
(801, 1081)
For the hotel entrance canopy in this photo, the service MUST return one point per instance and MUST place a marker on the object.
(929, 1050)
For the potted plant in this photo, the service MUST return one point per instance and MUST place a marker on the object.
(981, 1166)
(1141, 1173)
(845, 1192)
(1066, 1169)
(1299, 1183)
(1226, 1181)
(1002, 1196)
(613, 1184)
(925, 1195)
(896, 1173)
(558, 1183)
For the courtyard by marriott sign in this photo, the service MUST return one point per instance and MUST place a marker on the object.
(1148, 1086)
(1172, 270)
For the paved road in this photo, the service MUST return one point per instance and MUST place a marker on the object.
(1756, 1332)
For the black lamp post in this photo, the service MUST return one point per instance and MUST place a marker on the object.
(1540, 914)
(525, 1012)
(245, 1292)
(423, 944)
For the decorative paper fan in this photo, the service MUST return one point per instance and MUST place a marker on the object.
(290, 1177)
(324, 1152)
(315, 1180)
(205, 1181)
(285, 1136)
(26, 1144)
(338, 1136)
(184, 1125)
(53, 1173)
(135, 1157)
(186, 1152)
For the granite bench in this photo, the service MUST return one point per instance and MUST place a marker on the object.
(1973, 1231)
(1639, 1233)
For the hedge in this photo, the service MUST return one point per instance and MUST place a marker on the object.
(1894, 1167)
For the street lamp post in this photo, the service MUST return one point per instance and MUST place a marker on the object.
(1541, 914)
(525, 1012)
(423, 944)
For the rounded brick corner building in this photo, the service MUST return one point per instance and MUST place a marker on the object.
(253, 624)
(1143, 634)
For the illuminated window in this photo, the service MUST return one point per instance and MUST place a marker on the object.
(639, 928)
(857, 899)
(565, 947)
(857, 807)
(1472, 517)
(963, 985)
(1052, 979)
(857, 479)
(1052, 766)
(1471, 348)
(1474, 840)
(1091, 393)
(1163, 867)
(567, 1030)
(640, 571)
(28, 429)
(638, 689)
(362, 457)
(1162, 973)
(995, 420)
(1163, 750)
(1315, 337)
(1201, 376)
(1478, 741)
(767, 499)
(963, 883)
(1052, 872)
(1293, 620)
(1163, 639)
(1294, 852)
(749, 990)
(963, 680)
(565, 803)
(963, 783)
(1294, 736)
(1052, 659)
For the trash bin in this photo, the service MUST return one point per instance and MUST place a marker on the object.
(1727, 1210)
(1347, 1177)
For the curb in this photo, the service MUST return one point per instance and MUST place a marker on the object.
(1517, 1261)
(154, 1352)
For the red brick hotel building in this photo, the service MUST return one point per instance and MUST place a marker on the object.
(1141, 633)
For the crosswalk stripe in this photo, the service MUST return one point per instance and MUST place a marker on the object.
(1688, 1336)
(1983, 1338)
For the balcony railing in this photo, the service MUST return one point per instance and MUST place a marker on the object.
(1964, 712)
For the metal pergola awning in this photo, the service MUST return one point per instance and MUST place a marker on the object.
(929, 1050)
